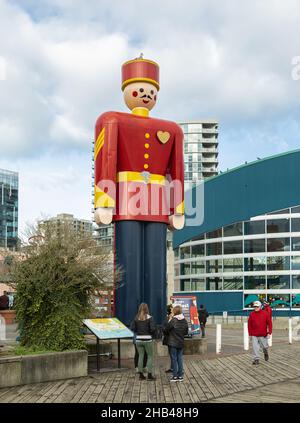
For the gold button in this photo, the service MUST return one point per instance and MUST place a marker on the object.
(147, 145)
(146, 156)
(147, 135)
(146, 166)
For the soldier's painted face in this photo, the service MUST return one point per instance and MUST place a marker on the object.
(140, 94)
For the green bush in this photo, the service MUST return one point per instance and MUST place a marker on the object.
(54, 286)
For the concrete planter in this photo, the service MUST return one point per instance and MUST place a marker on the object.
(21, 370)
(192, 346)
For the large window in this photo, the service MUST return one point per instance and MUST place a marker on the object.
(233, 283)
(278, 225)
(185, 268)
(233, 265)
(254, 227)
(198, 238)
(233, 247)
(198, 250)
(278, 282)
(234, 230)
(185, 285)
(255, 282)
(255, 264)
(185, 252)
(176, 253)
(214, 234)
(214, 249)
(296, 282)
(250, 298)
(296, 209)
(177, 270)
(295, 263)
(295, 225)
(278, 244)
(255, 245)
(197, 267)
(296, 300)
(198, 284)
(283, 211)
(278, 263)
(279, 300)
(214, 266)
(296, 244)
(213, 284)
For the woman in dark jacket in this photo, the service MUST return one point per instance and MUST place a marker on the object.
(165, 337)
(144, 328)
(176, 330)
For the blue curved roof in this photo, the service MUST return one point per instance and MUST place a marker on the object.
(256, 188)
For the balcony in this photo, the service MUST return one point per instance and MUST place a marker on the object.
(209, 130)
(212, 140)
(212, 160)
(209, 150)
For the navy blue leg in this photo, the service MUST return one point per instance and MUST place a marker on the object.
(155, 285)
(129, 256)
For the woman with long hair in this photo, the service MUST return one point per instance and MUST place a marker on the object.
(144, 328)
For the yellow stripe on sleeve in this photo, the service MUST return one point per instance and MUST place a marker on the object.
(99, 143)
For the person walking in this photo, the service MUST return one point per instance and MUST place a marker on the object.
(144, 327)
(259, 328)
(267, 308)
(165, 336)
(176, 330)
(203, 315)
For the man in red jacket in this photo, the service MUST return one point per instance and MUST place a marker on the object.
(259, 328)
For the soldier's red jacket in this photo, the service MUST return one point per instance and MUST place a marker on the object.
(135, 159)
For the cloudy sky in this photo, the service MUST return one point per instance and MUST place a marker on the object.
(229, 60)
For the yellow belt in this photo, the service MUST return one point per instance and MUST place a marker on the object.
(146, 177)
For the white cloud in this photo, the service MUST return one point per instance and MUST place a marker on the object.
(218, 59)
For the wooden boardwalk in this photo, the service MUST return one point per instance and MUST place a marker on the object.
(222, 379)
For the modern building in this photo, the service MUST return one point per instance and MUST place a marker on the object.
(248, 245)
(9, 191)
(56, 225)
(200, 150)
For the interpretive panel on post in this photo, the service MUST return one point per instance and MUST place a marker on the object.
(189, 309)
(108, 328)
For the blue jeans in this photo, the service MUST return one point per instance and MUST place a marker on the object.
(176, 360)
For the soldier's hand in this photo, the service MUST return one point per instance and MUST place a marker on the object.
(103, 215)
(176, 222)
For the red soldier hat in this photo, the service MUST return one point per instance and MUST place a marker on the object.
(140, 69)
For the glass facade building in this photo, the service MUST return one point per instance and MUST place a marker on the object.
(9, 190)
(200, 151)
(258, 258)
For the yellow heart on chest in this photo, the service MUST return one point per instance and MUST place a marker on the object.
(163, 136)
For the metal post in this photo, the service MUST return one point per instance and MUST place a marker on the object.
(270, 340)
(246, 337)
(98, 354)
(219, 338)
(290, 331)
(119, 353)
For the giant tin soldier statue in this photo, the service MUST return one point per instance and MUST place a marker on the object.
(139, 184)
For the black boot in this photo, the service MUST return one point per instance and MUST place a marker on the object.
(142, 377)
(266, 354)
(150, 377)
